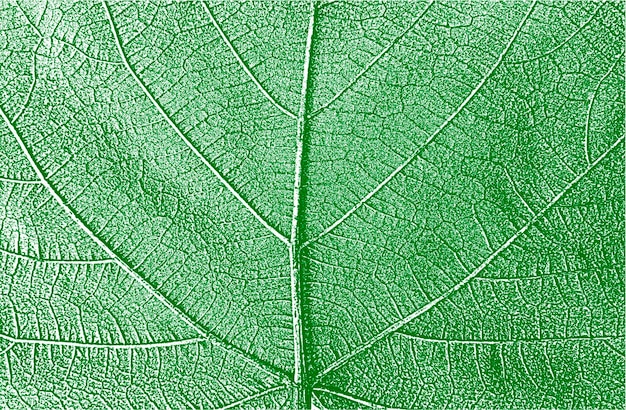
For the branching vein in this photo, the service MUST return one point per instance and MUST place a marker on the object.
(561, 44)
(186, 140)
(400, 323)
(252, 397)
(590, 106)
(349, 398)
(420, 148)
(20, 181)
(374, 61)
(126, 268)
(243, 65)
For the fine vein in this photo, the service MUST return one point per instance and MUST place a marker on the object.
(125, 267)
(56, 261)
(374, 61)
(177, 130)
(243, 65)
(252, 397)
(348, 397)
(20, 181)
(590, 106)
(400, 323)
(420, 148)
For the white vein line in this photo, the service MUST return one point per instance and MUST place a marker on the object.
(349, 398)
(556, 48)
(84, 54)
(613, 348)
(419, 149)
(252, 397)
(19, 181)
(507, 342)
(592, 101)
(90, 233)
(33, 84)
(243, 65)
(30, 23)
(514, 187)
(56, 261)
(315, 399)
(374, 61)
(398, 324)
(294, 260)
(102, 345)
(6, 349)
(147, 286)
(187, 142)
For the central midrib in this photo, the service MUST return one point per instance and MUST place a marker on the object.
(301, 381)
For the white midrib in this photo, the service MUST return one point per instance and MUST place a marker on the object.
(294, 244)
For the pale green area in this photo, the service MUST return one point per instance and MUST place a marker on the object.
(312, 205)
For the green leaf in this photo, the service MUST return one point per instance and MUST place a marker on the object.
(406, 204)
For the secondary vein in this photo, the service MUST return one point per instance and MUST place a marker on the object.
(102, 345)
(394, 327)
(182, 136)
(126, 267)
(243, 65)
(373, 62)
(438, 131)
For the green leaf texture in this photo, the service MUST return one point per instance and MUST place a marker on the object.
(337, 204)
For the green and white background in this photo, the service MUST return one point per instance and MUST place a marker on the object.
(272, 204)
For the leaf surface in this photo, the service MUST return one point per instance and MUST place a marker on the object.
(411, 204)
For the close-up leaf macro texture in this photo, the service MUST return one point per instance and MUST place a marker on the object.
(312, 205)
